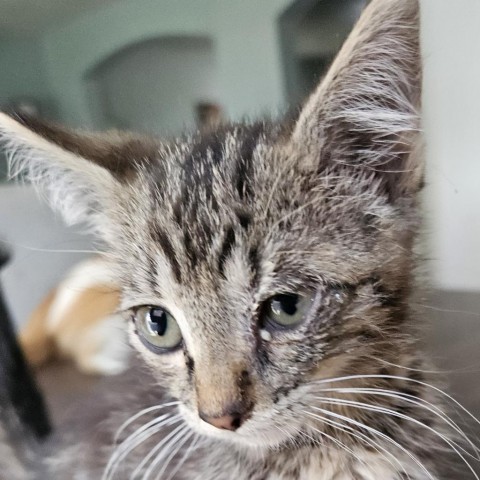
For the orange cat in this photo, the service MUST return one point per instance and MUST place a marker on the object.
(78, 321)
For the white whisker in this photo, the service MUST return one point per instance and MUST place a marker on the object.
(49, 250)
(335, 440)
(364, 406)
(434, 372)
(146, 431)
(446, 310)
(136, 439)
(363, 438)
(140, 414)
(185, 456)
(155, 449)
(181, 443)
(420, 402)
(377, 433)
(286, 434)
(395, 377)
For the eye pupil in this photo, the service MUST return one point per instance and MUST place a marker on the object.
(157, 329)
(286, 310)
(284, 304)
(157, 321)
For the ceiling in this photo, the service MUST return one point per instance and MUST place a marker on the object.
(20, 18)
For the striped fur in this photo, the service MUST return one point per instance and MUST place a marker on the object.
(211, 225)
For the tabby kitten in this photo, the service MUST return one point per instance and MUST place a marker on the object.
(266, 271)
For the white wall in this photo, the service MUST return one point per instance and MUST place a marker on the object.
(451, 41)
(23, 71)
(325, 30)
(42, 248)
(250, 79)
(154, 86)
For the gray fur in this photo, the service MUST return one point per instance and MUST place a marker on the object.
(212, 225)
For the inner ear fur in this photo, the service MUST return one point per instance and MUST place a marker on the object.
(117, 152)
(365, 112)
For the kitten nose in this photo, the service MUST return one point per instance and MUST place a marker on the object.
(227, 422)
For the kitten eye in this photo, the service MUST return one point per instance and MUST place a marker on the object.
(287, 310)
(158, 329)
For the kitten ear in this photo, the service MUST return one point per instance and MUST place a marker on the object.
(365, 111)
(78, 171)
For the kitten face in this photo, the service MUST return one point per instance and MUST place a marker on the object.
(214, 228)
(212, 246)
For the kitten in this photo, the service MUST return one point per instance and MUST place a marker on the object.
(266, 271)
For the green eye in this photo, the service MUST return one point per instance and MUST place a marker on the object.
(157, 329)
(287, 310)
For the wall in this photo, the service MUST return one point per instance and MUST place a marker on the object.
(154, 86)
(42, 248)
(451, 38)
(22, 78)
(312, 32)
(245, 35)
(23, 71)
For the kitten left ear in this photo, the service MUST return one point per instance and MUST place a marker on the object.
(365, 112)
(79, 172)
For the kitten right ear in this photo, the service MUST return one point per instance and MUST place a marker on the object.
(365, 111)
(77, 171)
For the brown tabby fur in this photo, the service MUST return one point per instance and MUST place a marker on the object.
(211, 226)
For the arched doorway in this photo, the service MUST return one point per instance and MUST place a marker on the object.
(154, 86)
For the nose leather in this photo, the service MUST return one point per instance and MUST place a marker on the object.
(226, 422)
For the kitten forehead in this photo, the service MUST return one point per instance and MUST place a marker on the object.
(240, 204)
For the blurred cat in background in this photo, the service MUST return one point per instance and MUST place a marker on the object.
(79, 320)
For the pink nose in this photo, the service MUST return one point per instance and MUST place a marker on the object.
(227, 422)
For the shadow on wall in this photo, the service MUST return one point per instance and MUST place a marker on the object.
(311, 34)
(154, 86)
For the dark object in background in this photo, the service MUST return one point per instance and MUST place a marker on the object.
(18, 390)
(209, 116)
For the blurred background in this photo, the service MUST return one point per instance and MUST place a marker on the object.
(163, 66)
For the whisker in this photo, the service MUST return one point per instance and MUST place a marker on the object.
(128, 422)
(287, 435)
(130, 443)
(145, 431)
(445, 310)
(155, 449)
(165, 449)
(452, 444)
(188, 452)
(47, 250)
(395, 377)
(181, 443)
(388, 411)
(363, 438)
(434, 372)
(377, 433)
(136, 439)
(420, 402)
(335, 440)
